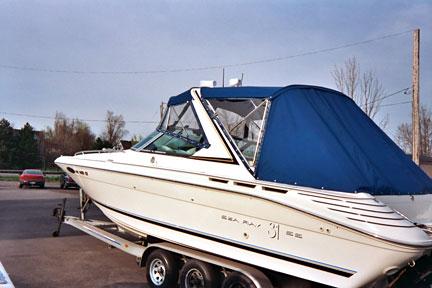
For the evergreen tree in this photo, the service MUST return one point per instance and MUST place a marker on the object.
(27, 148)
(100, 144)
(7, 145)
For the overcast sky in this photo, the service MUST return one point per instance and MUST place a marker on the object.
(110, 36)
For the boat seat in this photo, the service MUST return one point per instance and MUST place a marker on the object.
(178, 144)
(165, 148)
(191, 151)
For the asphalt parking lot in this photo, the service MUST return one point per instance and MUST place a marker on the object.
(33, 258)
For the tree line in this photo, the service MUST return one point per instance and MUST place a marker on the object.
(20, 149)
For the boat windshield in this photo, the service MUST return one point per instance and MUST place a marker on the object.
(243, 120)
(179, 133)
(145, 140)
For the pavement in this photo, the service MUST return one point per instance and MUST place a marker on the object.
(33, 258)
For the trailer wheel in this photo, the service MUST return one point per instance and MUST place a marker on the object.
(237, 280)
(162, 269)
(199, 274)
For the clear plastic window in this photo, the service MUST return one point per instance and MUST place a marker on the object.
(145, 140)
(243, 119)
(181, 132)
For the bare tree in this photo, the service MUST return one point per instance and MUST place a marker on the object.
(404, 137)
(66, 137)
(347, 77)
(114, 128)
(404, 133)
(371, 93)
(364, 88)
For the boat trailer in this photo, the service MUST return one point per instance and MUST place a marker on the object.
(141, 248)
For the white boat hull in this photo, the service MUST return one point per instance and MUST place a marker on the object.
(245, 228)
(417, 208)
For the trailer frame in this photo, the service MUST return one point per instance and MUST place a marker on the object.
(141, 248)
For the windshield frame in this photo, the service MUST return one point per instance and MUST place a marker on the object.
(266, 103)
(162, 130)
(188, 104)
(146, 140)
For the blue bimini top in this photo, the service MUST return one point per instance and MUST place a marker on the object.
(318, 137)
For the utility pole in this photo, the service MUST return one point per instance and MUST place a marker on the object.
(415, 99)
(223, 77)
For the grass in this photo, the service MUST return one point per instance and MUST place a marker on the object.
(8, 178)
(48, 178)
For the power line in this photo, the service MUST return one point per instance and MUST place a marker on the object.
(202, 68)
(405, 90)
(152, 122)
(397, 103)
(80, 119)
(155, 122)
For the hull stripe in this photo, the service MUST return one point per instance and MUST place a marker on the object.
(427, 245)
(344, 273)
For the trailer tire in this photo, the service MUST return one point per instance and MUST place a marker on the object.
(237, 280)
(199, 274)
(162, 269)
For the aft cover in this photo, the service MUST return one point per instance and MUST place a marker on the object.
(317, 137)
(320, 138)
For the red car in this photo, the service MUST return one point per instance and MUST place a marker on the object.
(32, 177)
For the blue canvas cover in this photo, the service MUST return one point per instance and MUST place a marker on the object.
(320, 138)
(317, 137)
(227, 93)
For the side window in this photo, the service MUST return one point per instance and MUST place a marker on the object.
(145, 140)
(243, 119)
(181, 132)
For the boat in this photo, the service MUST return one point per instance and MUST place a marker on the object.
(288, 179)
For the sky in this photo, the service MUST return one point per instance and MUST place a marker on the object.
(55, 55)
